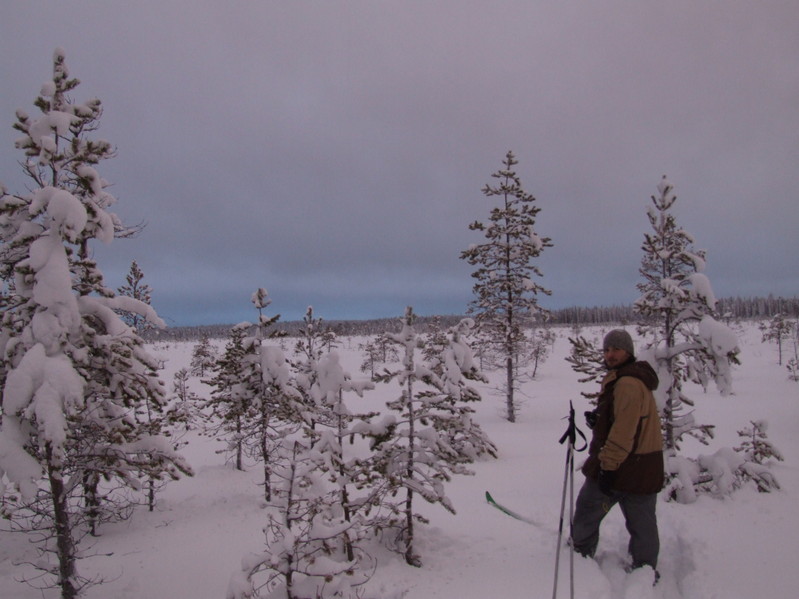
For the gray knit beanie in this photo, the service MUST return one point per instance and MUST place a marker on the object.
(620, 339)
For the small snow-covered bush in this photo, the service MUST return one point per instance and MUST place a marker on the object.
(726, 470)
(758, 451)
(793, 369)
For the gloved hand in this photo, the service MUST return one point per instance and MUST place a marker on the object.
(591, 418)
(607, 478)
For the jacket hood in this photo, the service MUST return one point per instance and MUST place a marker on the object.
(642, 371)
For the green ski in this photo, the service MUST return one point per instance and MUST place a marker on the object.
(509, 512)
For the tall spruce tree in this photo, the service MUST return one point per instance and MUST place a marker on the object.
(685, 342)
(506, 291)
(79, 380)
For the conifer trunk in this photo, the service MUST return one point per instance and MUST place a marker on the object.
(674, 388)
(289, 571)
(510, 399)
(510, 345)
(410, 558)
(65, 544)
(92, 501)
(265, 455)
(342, 474)
(239, 449)
(151, 495)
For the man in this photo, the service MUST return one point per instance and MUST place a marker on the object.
(625, 457)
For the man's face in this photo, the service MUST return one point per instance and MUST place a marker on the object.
(615, 357)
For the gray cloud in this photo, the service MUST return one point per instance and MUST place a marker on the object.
(334, 152)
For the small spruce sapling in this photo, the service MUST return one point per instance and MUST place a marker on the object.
(793, 363)
(758, 451)
(272, 390)
(229, 406)
(586, 358)
(301, 558)
(135, 287)
(203, 357)
(778, 329)
(793, 369)
(184, 409)
(432, 435)
(377, 351)
(755, 446)
(540, 344)
(334, 423)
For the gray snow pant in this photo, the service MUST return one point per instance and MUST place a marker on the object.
(639, 515)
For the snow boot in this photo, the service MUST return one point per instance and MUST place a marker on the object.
(655, 578)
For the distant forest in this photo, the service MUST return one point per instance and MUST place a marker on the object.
(727, 309)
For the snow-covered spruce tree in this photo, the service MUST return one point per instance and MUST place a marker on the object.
(685, 341)
(729, 469)
(506, 289)
(793, 363)
(484, 350)
(329, 338)
(79, 380)
(313, 527)
(270, 388)
(173, 422)
(302, 558)
(450, 371)
(377, 351)
(230, 407)
(184, 407)
(334, 422)
(135, 287)
(432, 436)
(308, 350)
(758, 452)
(778, 329)
(793, 367)
(586, 358)
(310, 343)
(755, 444)
(388, 350)
(203, 357)
(371, 358)
(314, 337)
(539, 346)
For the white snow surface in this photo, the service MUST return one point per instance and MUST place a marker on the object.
(739, 547)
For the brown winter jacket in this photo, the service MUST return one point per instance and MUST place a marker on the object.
(626, 437)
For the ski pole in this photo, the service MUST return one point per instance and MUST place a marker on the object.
(568, 477)
(560, 525)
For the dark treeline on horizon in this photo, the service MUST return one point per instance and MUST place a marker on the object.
(727, 309)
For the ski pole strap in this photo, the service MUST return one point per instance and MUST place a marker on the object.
(572, 431)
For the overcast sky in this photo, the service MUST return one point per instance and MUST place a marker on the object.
(334, 152)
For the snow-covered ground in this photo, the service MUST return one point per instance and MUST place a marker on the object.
(740, 547)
